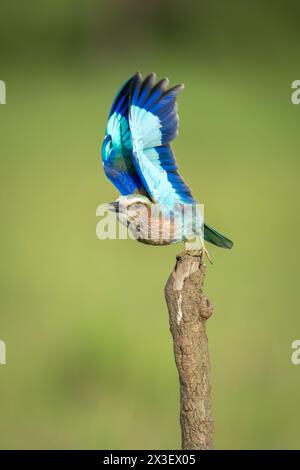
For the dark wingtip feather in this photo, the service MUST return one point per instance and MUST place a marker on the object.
(180, 86)
(146, 87)
(175, 89)
(161, 85)
(120, 103)
(151, 76)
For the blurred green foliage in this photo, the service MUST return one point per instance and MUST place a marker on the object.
(90, 361)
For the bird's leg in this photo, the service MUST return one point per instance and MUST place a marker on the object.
(198, 245)
(204, 250)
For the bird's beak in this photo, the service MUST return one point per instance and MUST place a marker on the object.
(113, 206)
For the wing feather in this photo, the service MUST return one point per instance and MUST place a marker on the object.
(117, 144)
(153, 121)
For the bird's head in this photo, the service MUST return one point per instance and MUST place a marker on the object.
(146, 222)
(131, 208)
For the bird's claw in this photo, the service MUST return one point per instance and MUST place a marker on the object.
(204, 253)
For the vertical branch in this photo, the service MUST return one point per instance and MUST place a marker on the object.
(188, 311)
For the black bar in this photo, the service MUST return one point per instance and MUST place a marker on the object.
(135, 458)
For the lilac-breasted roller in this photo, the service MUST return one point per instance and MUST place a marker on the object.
(138, 159)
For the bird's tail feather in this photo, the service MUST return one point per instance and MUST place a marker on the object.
(212, 236)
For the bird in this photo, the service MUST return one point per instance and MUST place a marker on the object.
(155, 203)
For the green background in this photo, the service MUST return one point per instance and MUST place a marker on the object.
(89, 353)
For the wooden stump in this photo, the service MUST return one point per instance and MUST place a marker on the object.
(189, 309)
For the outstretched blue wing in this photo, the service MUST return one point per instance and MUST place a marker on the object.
(117, 144)
(153, 122)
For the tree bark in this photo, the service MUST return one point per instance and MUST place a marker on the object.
(189, 309)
